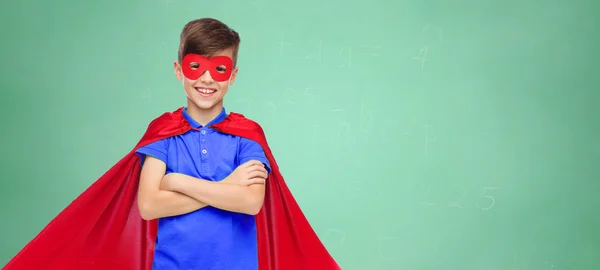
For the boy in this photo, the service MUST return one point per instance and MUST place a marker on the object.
(208, 177)
(222, 235)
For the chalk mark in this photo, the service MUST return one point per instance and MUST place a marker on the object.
(319, 56)
(483, 195)
(347, 61)
(427, 195)
(290, 95)
(440, 31)
(365, 117)
(427, 139)
(422, 57)
(343, 131)
(462, 196)
(373, 50)
(282, 45)
(309, 94)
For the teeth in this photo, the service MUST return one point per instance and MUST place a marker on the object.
(206, 91)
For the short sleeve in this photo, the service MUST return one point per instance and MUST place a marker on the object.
(158, 149)
(251, 150)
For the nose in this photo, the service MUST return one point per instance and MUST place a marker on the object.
(206, 78)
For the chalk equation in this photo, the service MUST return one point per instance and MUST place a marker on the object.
(313, 50)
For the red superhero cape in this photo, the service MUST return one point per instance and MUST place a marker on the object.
(102, 228)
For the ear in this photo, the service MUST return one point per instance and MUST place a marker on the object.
(233, 76)
(177, 69)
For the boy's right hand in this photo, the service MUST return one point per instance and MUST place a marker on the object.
(249, 173)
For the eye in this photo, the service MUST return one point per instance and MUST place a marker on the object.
(221, 68)
(194, 65)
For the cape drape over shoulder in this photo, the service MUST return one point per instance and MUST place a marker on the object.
(102, 228)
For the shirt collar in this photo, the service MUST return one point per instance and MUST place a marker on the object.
(195, 124)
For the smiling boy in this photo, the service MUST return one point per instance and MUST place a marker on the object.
(200, 190)
(204, 223)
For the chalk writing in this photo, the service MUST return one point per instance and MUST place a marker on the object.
(290, 96)
(422, 57)
(282, 45)
(342, 132)
(365, 120)
(309, 95)
(370, 50)
(439, 33)
(319, 54)
(343, 128)
(346, 55)
(428, 194)
(456, 203)
(486, 201)
(428, 138)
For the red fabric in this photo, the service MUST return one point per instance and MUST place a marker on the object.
(102, 228)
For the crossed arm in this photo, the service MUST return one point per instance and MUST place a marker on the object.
(161, 195)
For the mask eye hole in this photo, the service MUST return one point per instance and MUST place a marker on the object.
(194, 65)
(221, 69)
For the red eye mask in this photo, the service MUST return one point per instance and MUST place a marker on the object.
(194, 65)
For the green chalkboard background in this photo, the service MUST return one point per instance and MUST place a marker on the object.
(437, 134)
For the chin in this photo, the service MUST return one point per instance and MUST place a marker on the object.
(204, 104)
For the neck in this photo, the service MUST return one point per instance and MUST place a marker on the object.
(204, 116)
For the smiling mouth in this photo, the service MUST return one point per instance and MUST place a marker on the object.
(205, 91)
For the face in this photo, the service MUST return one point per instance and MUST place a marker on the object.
(206, 80)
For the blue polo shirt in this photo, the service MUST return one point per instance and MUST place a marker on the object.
(209, 238)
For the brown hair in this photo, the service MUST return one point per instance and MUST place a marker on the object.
(207, 36)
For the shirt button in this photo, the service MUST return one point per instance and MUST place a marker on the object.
(204, 151)
(203, 132)
(203, 141)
